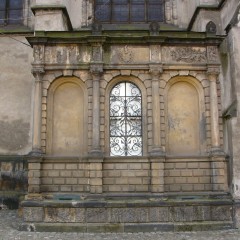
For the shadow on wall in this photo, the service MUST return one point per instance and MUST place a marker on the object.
(13, 181)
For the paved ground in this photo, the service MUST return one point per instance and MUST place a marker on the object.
(9, 222)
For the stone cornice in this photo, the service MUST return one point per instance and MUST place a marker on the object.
(124, 37)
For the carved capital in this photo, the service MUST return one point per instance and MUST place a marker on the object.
(213, 72)
(155, 70)
(38, 72)
(96, 69)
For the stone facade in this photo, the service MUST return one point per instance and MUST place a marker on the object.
(58, 118)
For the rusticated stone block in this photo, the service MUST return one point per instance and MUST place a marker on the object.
(80, 215)
(59, 215)
(159, 214)
(181, 214)
(201, 213)
(33, 214)
(129, 215)
(96, 215)
(221, 213)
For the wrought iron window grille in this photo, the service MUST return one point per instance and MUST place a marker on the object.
(125, 120)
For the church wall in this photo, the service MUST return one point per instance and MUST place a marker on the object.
(15, 96)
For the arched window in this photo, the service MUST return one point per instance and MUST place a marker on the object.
(11, 11)
(125, 120)
(129, 11)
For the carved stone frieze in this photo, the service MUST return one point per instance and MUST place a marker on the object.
(125, 54)
(184, 54)
(212, 54)
(155, 53)
(97, 53)
(72, 54)
(38, 54)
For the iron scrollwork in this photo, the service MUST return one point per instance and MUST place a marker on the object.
(125, 120)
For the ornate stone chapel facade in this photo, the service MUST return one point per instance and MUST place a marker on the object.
(126, 117)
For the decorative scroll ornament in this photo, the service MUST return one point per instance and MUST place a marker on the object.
(188, 55)
(125, 55)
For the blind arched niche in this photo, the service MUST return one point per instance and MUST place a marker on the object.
(183, 118)
(65, 119)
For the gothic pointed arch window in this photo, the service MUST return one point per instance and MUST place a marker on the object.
(11, 12)
(125, 120)
(129, 11)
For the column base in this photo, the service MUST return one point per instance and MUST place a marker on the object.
(35, 153)
(157, 152)
(96, 153)
(217, 151)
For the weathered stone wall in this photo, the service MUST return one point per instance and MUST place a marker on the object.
(13, 174)
(15, 96)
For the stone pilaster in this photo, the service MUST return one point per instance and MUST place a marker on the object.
(213, 73)
(155, 72)
(37, 112)
(218, 158)
(96, 71)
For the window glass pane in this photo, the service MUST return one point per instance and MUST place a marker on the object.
(2, 11)
(138, 12)
(121, 2)
(15, 4)
(103, 12)
(15, 16)
(155, 12)
(120, 13)
(2, 4)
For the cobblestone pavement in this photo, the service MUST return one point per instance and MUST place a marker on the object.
(9, 222)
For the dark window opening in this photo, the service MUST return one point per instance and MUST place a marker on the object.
(129, 11)
(11, 11)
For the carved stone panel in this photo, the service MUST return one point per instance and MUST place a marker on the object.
(71, 54)
(129, 55)
(184, 55)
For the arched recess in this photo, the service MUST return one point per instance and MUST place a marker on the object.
(66, 114)
(114, 82)
(185, 119)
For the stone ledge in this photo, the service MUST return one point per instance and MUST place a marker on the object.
(152, 227)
